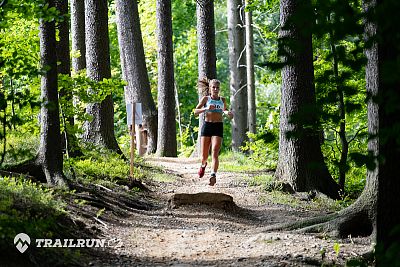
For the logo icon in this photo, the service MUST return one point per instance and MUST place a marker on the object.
(22, 242)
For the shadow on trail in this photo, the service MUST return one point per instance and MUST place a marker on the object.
(281, 260)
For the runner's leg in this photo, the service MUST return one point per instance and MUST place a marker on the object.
(216, 142)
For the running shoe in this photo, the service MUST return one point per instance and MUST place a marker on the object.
(213, 179)
(202, 170)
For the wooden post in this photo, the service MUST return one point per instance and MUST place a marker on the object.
(133, 139)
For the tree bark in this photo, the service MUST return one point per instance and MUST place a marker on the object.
(300, 160)
(388, 98)
(64, 66)
(207, 57)
(375, 212)
(69, 140)
(206, 39)
(134, 66)
(237, 61)
(360, 218)
(166, 144)
(100, 130)
(78, 34)
(251, 90)
(50, 152)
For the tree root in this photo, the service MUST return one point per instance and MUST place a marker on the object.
(118, 203)
(29, 168)
(353, 220)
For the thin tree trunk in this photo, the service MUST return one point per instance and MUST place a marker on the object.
(342, 115)
(69, 140)
(166, 144)
(78, 34)
(237, 60)
(251, 90)
(178, 110)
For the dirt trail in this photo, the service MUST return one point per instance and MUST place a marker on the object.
(204, 236)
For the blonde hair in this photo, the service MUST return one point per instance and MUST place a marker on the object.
(214, 81)
(203, 85)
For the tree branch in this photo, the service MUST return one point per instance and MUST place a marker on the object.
(355, 135)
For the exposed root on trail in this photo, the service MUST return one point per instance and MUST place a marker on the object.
(119, 203)
(355, 220)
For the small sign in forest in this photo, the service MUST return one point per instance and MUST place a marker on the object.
(138, 113)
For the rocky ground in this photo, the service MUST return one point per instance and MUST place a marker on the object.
(202, 235)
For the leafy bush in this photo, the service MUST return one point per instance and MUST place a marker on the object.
(26, 207)
(100, 166)
(21, 145)
(263, 149)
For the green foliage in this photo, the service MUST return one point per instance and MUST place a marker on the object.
(26, 207)
(336, 248)
(267, 182)
(237, 162)
(87, 91)
(21, 145)
(263, 146)
(339, 80)
(101, 166)
(19, 46)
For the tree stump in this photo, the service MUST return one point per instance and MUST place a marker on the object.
(216, 200)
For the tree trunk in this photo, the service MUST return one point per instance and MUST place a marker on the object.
(69, 140)
(251, 90)
(78, 34)
(388, 81)
(50, 152)
(237, 60)
(359, 219)
(370, 192)
(342, 114)
(207, 57)
(300, 160)
(134, 66)
(375, 212)
(100, 130)
(166, 144)
(64, 66)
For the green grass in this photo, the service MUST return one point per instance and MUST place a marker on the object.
(237, 162)
(275, 195)
(162, 177)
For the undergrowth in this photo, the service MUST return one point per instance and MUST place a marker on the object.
(26, 207)
(305, 200)
(238, 162)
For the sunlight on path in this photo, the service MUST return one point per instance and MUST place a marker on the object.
(199, 235)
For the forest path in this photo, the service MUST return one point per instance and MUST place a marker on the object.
(199, 235)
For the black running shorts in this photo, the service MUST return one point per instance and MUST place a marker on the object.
(212, 129)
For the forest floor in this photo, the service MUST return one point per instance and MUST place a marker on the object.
(202, 235)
